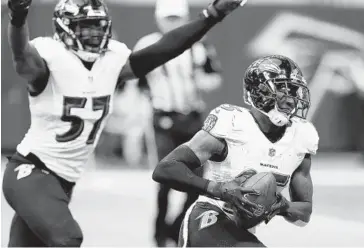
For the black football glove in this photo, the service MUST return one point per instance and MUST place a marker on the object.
(280, 205)
(233, 193)
(19, 5)
(18, 11)
(221, 8)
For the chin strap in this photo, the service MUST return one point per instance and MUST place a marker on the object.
(86, 56)
(83, 55)
(276, 117)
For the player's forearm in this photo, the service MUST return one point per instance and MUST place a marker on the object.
(18, 33)
(178, 176)
(27, 61)
(175, 170)
(170, 46)
(19, 41)
(298, 212)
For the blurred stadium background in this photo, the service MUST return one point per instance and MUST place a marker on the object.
(115, 200)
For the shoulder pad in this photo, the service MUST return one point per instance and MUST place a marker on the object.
(309, 136)
(118, 47)
(220, 121)
(120, 54)
(46, 46)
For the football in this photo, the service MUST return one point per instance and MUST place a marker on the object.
(264, 183)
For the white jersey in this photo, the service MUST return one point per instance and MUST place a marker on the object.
(68, 116)
(249, 148)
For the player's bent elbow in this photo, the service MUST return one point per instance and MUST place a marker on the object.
(19, 66)
(305, 219)
(159, 174)
(24, 70)
(300, 223)
(165, 173)
(307, 216)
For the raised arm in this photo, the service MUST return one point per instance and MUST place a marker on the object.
(175, 42)
(27, 61)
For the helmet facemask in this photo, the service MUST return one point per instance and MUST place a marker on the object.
(275, 86)
(84, 30)
(289, 97)
(294, 93)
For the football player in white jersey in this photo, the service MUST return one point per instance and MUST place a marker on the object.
(272, 136)
(71, 78)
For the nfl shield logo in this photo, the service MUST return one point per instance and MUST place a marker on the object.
(272, 152)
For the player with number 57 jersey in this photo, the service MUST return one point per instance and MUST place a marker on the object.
(68, 115)
(71, 78)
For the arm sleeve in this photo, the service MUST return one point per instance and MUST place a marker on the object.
(175, 170)
(169, 46)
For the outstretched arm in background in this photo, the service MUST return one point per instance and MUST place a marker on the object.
(175, 42)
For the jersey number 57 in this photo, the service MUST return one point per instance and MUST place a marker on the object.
(77, 123)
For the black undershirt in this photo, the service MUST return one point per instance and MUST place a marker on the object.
(88, 65)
